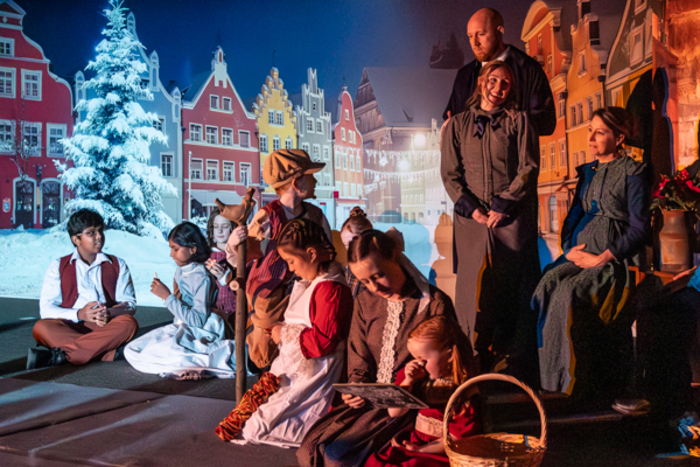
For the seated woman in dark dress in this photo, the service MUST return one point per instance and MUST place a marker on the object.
(396, 300)
(583, 327)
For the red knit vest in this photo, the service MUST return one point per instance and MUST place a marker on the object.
(69, 281)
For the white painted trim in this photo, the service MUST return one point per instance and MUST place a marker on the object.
(13, 130)
(49, 127)
(216, 135)
(172, 164)
(207, 170)
(641, 7)
(203, 172)
(204, 144)
(222, 137)
(201, 127)
(11, 42)
(14, 82)
(190, 105)
(233, 171)
(249, 139)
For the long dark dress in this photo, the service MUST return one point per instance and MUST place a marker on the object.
(490, 161)
(583, 325)
(376, 352)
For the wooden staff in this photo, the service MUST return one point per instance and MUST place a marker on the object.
(239, 214)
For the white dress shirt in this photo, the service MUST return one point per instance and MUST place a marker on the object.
(502, 56)
(89, 282)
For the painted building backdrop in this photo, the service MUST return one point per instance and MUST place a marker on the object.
(380, 141)
(35, 114)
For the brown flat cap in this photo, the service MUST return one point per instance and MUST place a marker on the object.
(284, 165)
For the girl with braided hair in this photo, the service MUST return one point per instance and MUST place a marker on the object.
(353, 226)
(310, 360)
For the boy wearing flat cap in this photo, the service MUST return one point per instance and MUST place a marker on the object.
(290, 173)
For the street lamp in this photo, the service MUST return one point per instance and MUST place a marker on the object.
(189, 187)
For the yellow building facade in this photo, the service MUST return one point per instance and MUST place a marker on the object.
(276, 122)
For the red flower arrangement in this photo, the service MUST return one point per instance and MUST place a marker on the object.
(680, 192)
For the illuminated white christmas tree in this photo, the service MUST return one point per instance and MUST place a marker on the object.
(109, 148)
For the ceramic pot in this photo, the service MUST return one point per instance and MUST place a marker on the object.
(673, 239)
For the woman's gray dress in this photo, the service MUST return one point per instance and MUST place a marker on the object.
(583, 324)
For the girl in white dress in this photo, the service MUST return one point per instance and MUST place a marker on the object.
(192, 346)
(311, 346)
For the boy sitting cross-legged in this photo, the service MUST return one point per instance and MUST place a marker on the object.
(87, 301)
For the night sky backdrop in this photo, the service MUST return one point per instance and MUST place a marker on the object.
(338, 37)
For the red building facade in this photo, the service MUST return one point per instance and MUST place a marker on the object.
(347, 149)
(220, 146)
(35, 114)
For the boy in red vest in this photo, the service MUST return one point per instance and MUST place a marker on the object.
(290, 173)
(87, 301)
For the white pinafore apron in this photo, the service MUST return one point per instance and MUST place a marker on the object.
(306, 385)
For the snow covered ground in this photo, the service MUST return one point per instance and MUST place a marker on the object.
(25, 255)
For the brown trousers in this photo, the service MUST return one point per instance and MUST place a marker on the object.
(85, 341)
(262, 350)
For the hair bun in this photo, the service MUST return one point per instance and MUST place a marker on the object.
(357, 212)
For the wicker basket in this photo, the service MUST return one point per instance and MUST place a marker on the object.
(495, 449)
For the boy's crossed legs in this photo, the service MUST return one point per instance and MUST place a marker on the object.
(84, 341)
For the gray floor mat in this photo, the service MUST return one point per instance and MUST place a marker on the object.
(168, 431)
(26, 405)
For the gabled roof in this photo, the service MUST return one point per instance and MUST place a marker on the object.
(565, 15)
(10, 6)
(411, 97)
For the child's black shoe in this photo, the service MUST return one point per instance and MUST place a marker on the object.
(44, 358)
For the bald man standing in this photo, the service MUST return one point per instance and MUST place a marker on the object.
(485, 32)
